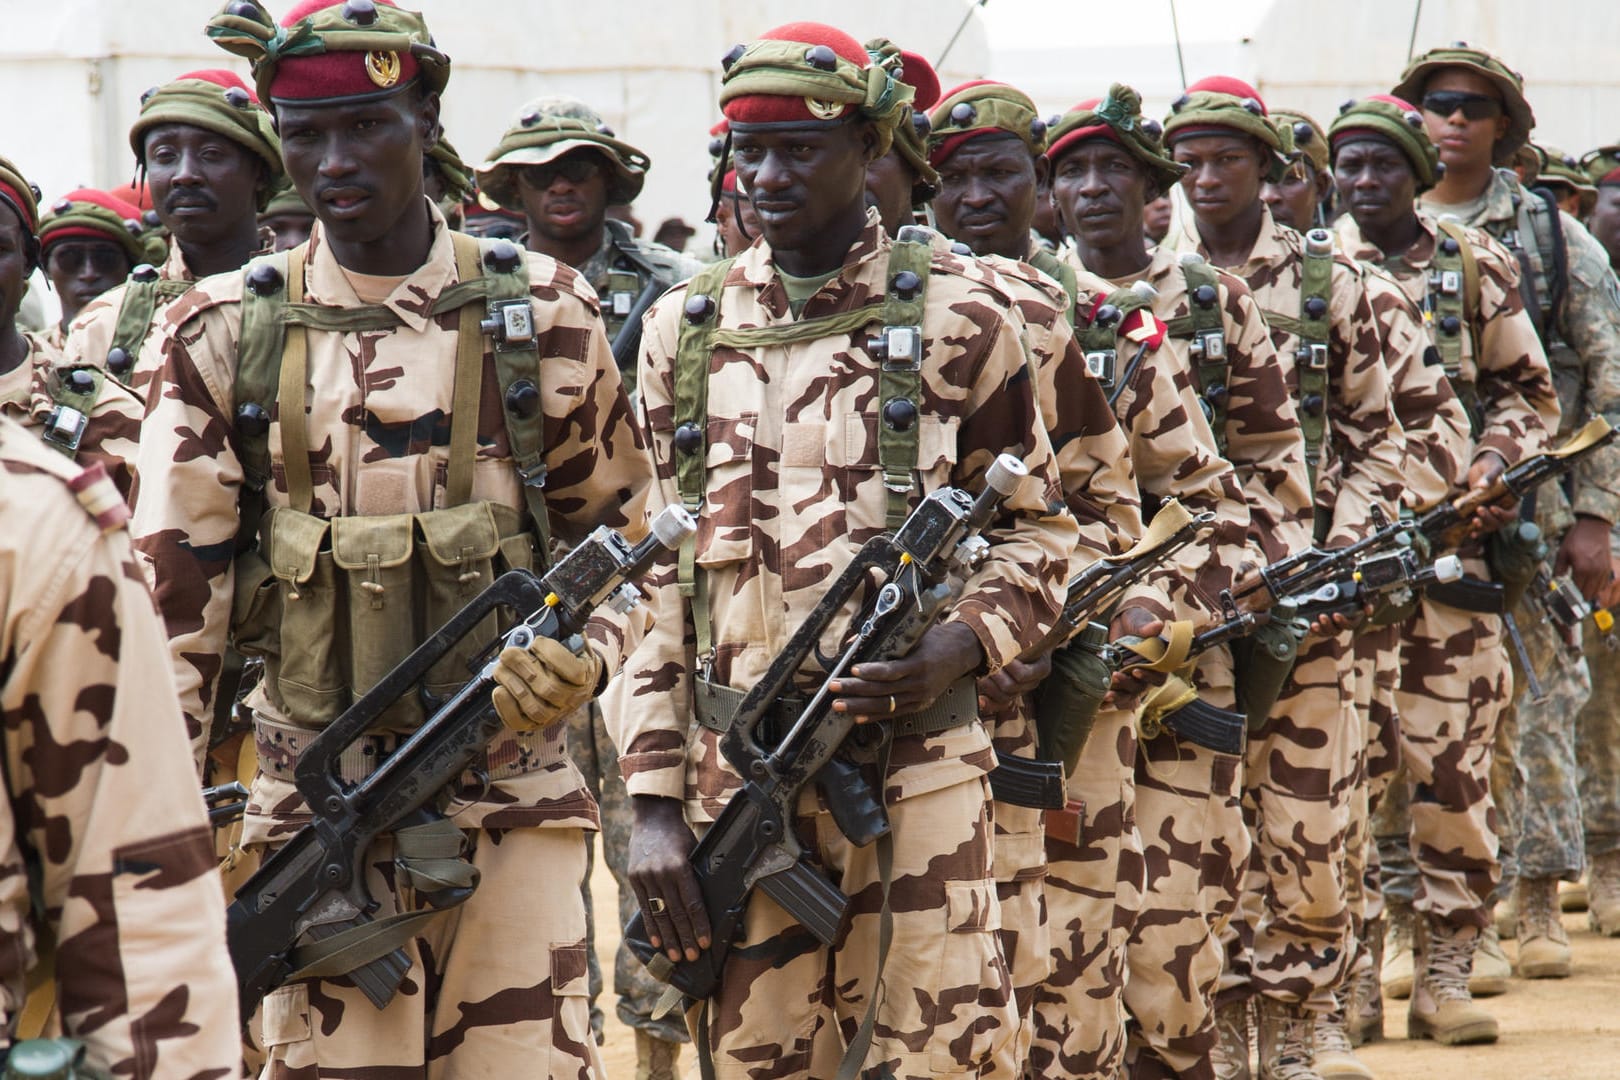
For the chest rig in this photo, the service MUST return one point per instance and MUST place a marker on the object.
(333, 604)
(897, 347)
(146, 291)
(1451, 309)
(1204, 330)
(73, 393)
(1311, 325)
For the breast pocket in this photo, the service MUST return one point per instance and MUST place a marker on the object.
(858, 461)
(726, 522)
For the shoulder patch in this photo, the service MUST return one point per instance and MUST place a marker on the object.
(99, 496)
(22, 451)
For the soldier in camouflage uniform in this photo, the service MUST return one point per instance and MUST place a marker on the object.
(561, 166)
(1562, 175)
(88, 242)
(80, 412)
(902, 181)
(401, 452)
(1300, 199)
(1475, 110)
(92, 731)
(987, 143)
(1603, 168)
(211, 158)
(1454, 680)
(1108, 162)
(288, 218)
(1290, 944)
(792, 487)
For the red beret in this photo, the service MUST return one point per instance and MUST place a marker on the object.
(340, 74)
(107, 200)
(138, 195)
(1225, 84)
(788, 109)
(221, 77)
(719, 130)
(917, 73)
(95, 228)
(14, 199)
(728, 183)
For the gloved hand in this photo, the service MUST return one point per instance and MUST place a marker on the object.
(537, 686)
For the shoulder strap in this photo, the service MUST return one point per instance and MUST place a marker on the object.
(1098, 334)
(1554, 253)
(1061, 272)
(900, 373)
(259, 348)
(1205, 326)
(1454, 291)
(74, 392)
(1313, 327)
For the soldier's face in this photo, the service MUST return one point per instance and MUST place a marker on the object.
(82, 269)
(1156, 218)
(565, 199)
(1294, 198)
(290, 230)
(1376, 183)
(807, 185)
(1464, 143)
(1605, 221)
(889, 181)
(737, 223)
(1224, 175)
(358, 165)
(987, 195)
(13, 266)
(202, 184)
(1101, 191)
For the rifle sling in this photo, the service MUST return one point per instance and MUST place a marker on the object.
(715, 707)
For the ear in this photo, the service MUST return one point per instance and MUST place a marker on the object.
(868, 135)
(1043, 171)
(1324, 184)
(427, 117)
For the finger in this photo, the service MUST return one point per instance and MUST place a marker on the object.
(874, 708)
(865, 688)
(655, 936)
(692, 906)
(680, 914)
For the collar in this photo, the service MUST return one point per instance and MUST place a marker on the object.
(174, 266)
(1418, 256)
(411, 300)
(860, 278)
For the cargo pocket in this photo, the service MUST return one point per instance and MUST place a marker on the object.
(306, 680)
(255, 607)
(572, 1044)
(289, 1041)
(459, 547)
(971, 969)
(726, 522)
(374, 556)
(858, 462)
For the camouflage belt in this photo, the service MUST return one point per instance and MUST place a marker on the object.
(716, 707)
(512, 753)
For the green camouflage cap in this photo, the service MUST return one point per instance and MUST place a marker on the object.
(1221, 103)
(1117, 116)
(88, 213)
(983, 106)
(911, 133)
(545, 130)
(216, 101)
(453, 172)
(286, 201)
(1561, 169)
(1602, 165)
(1459, 54)
(1394, 121)
(1302, 137)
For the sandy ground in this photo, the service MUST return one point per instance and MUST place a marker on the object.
(1550, 1028)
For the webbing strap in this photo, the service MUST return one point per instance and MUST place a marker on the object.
(290, 396)
(60, 430)
(467, 392)
(140, 304)
(1313, 327)
(376, 317)
(1205, 325)
(855, 1055)
(900, 379)
(1457, 295)
(1059, 271)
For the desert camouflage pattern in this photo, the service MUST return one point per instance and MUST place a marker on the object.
(114, 428)
(1093, 894)
(90, 334)
(793, 490)
(90, 731)
(378, 418)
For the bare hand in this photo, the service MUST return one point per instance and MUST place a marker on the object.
(1611, 596)
(660, 869)
(1485, 472)
(1130, 684)
(1001, 691)
(1338, 622)
(1585, 551)
(882, 688)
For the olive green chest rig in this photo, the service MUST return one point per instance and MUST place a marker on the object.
(74, 392)
(1313, 327)
(145, 292)
(1451, 310)
(333, 604)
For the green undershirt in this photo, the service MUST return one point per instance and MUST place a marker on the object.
(801, 289)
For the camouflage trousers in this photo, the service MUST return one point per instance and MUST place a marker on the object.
(1026, 934)
(1093, 892)
(496, 986)
(1195, 848)
(1290, 937)
(638, 992)
(1597, 736)
(1377, 658)
(1436, 824)
(944, 999)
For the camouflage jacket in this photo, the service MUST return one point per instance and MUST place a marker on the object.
(90, 335)
(114, 424)
(1584, 353)
(379, 406)
(623, 266)
(1518, 410)
(102, 807)
(1364, 436)
(1263, 442)
(794, 488)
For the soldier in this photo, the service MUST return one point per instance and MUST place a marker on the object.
(401, 447)
(1107, 164)
(79, 411)
(794, 482)
(91, 728)
(1300, 199)
(211, 158)
(902, 180)
(288, 218)
(987, 142)
(1475, 111)
(1300, 770)
(1454, 679)
(736, 225)
(1603, 168)
(447, 180)
(1571, 188)
(485, 220)
(89, 241)
(562, 167)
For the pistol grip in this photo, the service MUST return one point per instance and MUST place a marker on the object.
(854, 806)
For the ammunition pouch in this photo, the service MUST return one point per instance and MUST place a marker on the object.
(1262, 663)
(1515, 554)
(333, 605)
(1066, 703)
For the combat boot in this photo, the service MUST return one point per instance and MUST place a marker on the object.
(1396, 972)
(655, 1057)
(1335, 1059)
(1287, 1041)
(1507, 918)
(1543, 944)
(1603, 894)
(1230, 1056)
(1492, 968)
(1572, 896)
(1441, 1008)
(1364, 1012)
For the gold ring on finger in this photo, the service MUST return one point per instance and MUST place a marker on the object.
(656, 905)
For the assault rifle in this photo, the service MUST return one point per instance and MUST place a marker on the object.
(313, 889)
(924, 565)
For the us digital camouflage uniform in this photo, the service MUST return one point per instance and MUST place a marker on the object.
(507, 970)
(1583, 338)
(91, 732)
(793, 489)
(29, 392)
(1300, 769)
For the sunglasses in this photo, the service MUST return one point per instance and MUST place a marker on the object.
(107, 260)
(574, 169)
(1472, 106)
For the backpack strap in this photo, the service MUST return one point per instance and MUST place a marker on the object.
(146, 290)
(1205, 328)
(1454, 297)
(1059, 271)
(1098, 334)
(258, 369)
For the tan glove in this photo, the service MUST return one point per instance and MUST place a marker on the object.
(537, 686)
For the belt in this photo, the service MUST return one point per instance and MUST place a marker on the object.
(509, 754)
(716, 707)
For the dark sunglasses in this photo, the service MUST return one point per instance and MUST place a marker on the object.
(574, 169)
(107, 260)
(1473, 106)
